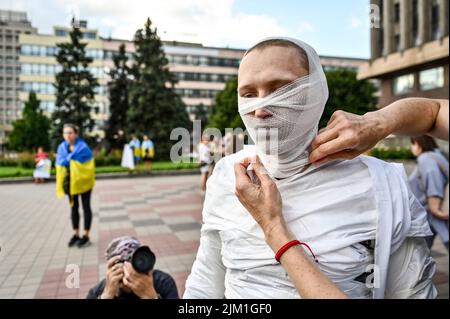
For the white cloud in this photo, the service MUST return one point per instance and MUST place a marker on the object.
(305, 27)
(209, 22)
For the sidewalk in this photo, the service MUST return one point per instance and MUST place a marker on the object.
(163, 212)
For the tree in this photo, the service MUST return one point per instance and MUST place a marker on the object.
(348, 94)
(225, 113)
(32, 130)
(75, 87)
(119, 88)
(155, 108)
(201, 113)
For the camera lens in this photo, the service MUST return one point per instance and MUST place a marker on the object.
(143, 259)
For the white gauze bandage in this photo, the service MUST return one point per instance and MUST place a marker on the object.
(283, 139)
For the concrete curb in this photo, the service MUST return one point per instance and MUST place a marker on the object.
(24, 180)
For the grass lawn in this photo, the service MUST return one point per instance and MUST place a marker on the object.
(7, 171)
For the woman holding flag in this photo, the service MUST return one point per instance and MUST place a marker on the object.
(75, 176)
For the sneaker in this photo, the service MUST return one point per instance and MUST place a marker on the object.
(74, 240)
(84, 242)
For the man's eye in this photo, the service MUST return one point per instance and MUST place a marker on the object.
(248, 95)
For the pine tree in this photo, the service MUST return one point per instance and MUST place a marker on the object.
(155, 108)
(75, 86)
(119, 88)
(201, 113)
(32, 130)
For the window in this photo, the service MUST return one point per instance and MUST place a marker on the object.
(403, 84)
(89, 35)
(26, 49)
(431, 78)
(42, 69)
(61, 33)
(35, 69)
(51, 51)
(397, 12)
(397, 42)
(35, 50)
(435, 31)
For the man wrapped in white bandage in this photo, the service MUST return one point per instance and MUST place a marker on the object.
(358, 216)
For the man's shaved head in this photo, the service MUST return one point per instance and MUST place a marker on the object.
(284, 44)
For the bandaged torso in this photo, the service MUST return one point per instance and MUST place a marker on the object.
(332, 208)
(331, 221)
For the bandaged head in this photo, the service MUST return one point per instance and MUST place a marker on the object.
(283, 138)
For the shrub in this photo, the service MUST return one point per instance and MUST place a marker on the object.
(392, 153)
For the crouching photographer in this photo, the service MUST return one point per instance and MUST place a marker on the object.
(130, 274)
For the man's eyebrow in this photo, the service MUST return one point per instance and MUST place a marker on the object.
(245, 87)
(279, 81)
(270, 82)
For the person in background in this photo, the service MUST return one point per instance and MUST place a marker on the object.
(148, 153)
(428, 182)
(43, 166)
(122, 281)
(215, 151)
(135, 145)
(75, 177)
(204, 156)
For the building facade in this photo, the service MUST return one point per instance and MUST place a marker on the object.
(12, 25)
(409, 49)
(201, 71)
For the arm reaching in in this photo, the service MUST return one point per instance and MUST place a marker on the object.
(348, 135)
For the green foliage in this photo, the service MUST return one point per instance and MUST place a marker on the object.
(75, 87)
(102, 159)
(119, 88)
(348, 94)
(392, 153)
(155, 109)
(225, 113)
(32, 130)
(18, 171)
(201, 113)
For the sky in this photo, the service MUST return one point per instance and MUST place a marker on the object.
(337, 28)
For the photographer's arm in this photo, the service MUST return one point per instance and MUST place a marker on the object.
(141, 284)
(114, 275)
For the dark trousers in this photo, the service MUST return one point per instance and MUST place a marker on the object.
(86, 202)
(430, 239)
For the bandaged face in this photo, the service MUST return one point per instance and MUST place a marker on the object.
(282, 91)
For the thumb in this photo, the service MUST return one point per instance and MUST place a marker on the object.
(240, 171)
(261, 172)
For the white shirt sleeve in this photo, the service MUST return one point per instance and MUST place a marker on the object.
(207, 278)
(411, 269)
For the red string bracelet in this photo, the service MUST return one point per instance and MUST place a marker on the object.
(285, 247)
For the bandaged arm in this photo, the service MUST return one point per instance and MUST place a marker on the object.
(207, 278)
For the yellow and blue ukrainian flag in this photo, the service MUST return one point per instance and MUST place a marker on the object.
(148, 145)
(81, 165)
